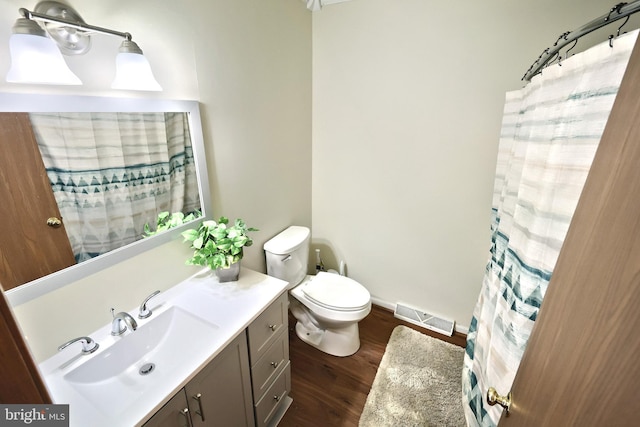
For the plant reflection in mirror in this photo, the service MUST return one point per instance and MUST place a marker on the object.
(168, 220)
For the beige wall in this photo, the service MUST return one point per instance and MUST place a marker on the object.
(407, 104)
(249, 64)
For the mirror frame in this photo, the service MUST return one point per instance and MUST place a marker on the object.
(18, 102)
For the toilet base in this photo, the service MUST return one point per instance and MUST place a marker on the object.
(339, 342)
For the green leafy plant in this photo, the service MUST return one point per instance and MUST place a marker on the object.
(217, 244)
(168, 220)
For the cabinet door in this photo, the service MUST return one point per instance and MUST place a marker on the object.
(173, 414)
(220, 395)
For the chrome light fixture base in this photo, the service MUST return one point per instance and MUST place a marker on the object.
(129, 46)
(71, 40)
(29, 27)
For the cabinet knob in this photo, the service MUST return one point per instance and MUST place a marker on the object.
(273, 327)
(274, 364)
(276, 398)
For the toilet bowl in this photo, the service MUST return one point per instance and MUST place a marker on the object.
(327, 306)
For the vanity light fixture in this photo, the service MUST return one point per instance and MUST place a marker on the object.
(36, 50)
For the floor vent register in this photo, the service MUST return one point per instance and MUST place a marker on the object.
(426, 320)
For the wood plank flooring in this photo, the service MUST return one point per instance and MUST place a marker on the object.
(331, 391)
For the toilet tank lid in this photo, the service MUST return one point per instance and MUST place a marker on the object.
(288, 240)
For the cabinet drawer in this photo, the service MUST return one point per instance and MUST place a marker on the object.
(270, 365)
(275, 396)
(267, 327)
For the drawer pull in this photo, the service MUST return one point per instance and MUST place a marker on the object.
(274, 364)
(198, 397)
(273, 327)
(276, 398)
(185, 413)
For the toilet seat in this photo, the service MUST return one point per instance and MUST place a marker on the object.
(336, 292)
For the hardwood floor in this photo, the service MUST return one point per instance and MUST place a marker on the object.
(331, 391)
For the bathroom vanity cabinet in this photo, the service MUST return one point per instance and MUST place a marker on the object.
(211, 354)
(247, 384)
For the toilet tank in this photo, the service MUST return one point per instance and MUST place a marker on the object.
(287, 254)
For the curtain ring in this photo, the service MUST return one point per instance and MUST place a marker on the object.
(623, 24)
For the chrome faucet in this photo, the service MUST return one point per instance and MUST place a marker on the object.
(144, 312)
(117, 328)
(88, 345)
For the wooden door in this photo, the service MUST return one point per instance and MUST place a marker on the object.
(29, 248)
(581, 366)
(21, 382)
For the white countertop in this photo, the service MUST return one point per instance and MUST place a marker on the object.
(232, 306)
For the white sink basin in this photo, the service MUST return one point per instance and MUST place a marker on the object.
(140, 362)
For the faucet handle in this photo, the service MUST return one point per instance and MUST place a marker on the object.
(88, 345)
(144, 312)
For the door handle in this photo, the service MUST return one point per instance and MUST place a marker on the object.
(493, 397)
(54, 222)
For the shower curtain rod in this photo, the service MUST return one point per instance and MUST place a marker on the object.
(619, 11)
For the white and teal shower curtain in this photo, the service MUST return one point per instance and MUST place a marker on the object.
(111, 173)
(551, 129)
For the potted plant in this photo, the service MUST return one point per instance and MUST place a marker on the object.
(219, 246)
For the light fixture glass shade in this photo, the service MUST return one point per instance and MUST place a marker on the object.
(133, 71)
(37, 59)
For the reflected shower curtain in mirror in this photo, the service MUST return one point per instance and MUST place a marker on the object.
(550, 132)
(111, 173)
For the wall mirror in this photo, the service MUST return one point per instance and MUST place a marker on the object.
(108, 166)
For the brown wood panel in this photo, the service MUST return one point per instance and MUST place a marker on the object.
(580, 367)
(331, 391)
(29, 248)
(21, 382)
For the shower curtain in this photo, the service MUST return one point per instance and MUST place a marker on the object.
(550, 132)
(111, 173)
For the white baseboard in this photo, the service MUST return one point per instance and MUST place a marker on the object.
(382, 303)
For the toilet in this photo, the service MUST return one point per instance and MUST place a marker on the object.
(327, 306)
